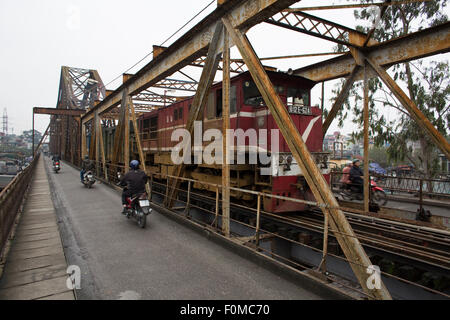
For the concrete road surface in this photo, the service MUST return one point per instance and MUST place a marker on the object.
(166, 260)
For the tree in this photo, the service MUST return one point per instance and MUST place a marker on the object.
(427, 86)
(28, 136)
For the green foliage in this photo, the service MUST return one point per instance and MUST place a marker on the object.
(428, 87)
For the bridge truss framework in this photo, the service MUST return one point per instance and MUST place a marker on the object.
(207, 46)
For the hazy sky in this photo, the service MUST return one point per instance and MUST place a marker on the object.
(37, 37)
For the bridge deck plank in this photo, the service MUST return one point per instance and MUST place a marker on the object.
(36, 265)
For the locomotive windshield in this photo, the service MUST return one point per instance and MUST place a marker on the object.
(297, 97)
(252, 96)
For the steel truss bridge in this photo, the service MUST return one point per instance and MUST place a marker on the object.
(207, 46)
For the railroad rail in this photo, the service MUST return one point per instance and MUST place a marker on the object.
(425, 249)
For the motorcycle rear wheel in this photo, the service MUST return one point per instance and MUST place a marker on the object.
(142, 220)
(380, 197)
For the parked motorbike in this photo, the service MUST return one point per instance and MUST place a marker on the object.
(56, 166)
(138, 207)
(376, 193)
(88, 179)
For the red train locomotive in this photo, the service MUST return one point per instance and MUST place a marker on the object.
(249, 113)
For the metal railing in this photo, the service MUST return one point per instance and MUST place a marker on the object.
(11, 200)
(405, 185)
(256, 232)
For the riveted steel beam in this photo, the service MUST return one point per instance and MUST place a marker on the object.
(416, 45)
(318, 27)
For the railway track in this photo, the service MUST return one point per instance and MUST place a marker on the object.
(420, 247)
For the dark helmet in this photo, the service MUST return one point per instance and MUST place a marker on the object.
(86, 157)
(355, 160)
(134, 164)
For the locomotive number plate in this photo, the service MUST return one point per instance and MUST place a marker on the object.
(303, 110)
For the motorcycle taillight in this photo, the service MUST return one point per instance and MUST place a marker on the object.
(57, 163)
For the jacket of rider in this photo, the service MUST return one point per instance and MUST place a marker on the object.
(87, 165)
(355, 175)
(135, 181)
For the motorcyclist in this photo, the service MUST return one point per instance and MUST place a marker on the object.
(56, 158)
(86, 165)
(356, 175)
(134, 181)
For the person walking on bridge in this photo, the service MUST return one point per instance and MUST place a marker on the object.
(134, 181)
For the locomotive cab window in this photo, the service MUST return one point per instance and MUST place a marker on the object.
(298, 96)
(219, 103)
(252, 96)
(175, 114)
(154, 127)
(145, 128)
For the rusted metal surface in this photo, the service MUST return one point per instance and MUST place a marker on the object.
(54, 111)
(416, 45)
(225, 141)
(318, 27)
(366, 141)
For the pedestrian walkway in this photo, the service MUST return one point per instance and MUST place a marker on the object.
(36, 266)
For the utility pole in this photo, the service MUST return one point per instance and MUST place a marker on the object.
(5, 122)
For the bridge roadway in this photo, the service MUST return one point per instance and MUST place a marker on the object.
(166, 260)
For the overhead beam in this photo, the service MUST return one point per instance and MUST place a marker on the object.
(192, 45)
(318, 27)
(54, 111)
(413, 46)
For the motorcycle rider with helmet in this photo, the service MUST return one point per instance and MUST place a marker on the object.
(356, 175)
(86, 166)
(134, 181)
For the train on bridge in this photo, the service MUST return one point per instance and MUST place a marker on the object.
(249, 113)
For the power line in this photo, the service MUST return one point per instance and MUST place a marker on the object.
(173, 34)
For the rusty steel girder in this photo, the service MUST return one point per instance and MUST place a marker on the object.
(79, 89)
(413, 46)
(318, 27)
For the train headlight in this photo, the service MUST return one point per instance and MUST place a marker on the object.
(289, 160)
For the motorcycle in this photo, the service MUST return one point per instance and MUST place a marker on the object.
(88, 179)
(56, 166)
(379, 195)
(138, 207)
(352, 192)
